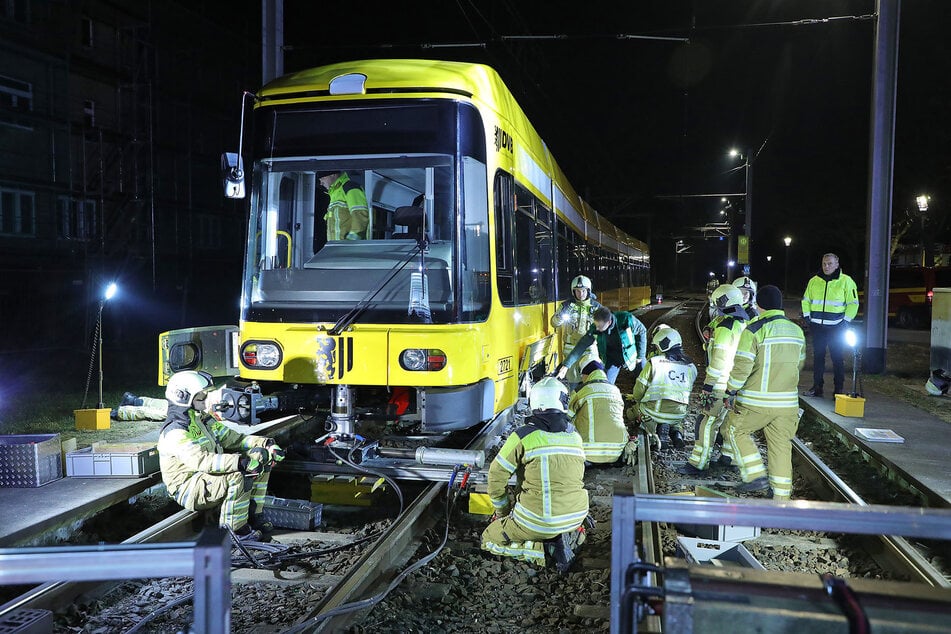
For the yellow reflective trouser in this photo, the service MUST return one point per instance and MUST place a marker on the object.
(779, 425)
(707, 434)
(506, 537)
(206, 490)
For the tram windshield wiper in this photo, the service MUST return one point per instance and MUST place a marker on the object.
(360, 307)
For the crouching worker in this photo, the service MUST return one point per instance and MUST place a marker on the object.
(551, 503)
(662, 390)
(133, 407)
(598, 411)
(205, 463)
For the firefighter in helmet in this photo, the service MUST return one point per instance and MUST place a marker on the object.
(721, 349)
(204, 463)
(748, 287)
(573, 320)
(547, 458)
(662, 390)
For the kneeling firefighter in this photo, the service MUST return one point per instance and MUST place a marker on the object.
(551, 504)
(204, 463)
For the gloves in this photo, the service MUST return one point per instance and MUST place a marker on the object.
(728, 399)
(275, 452)
(352, 236)
(707, 399)
(629, 455)
(255, 462)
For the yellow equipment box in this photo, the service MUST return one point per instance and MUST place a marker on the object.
(853, 406)
(344, 490)
(92, 419)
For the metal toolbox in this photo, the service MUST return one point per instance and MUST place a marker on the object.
(297, 514)
(30, 460)
(113, 460)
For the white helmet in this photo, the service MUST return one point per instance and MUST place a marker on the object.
(581, 281)
(183, 386)
(747, 284)
(727, 299)
(549, 393)
(666, 338)
(938, 383)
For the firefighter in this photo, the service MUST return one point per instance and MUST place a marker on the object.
(574, 319)
(764, 383)
(347, 214)
(551, 502)
(829, 305)
(662, 391)
(721, 348)
(748, 287)
(621, 339)
(133, 407)
(205, 463)
(598, 414)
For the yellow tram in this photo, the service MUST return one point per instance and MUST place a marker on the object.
(472, 236)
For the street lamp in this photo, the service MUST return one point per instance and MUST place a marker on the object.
(109, 293)
(729, 270)
(922, 201)
(747, 194)
(787, 241)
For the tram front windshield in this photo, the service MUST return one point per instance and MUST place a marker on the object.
(381, 208)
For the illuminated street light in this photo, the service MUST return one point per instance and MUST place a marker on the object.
(734, 152)
(109, 293)
(851, 339)
(787, 241)
(744, 156)
(769, 258)
(922, 201)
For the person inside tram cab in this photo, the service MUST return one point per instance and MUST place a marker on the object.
(347, 214)
(573, 320)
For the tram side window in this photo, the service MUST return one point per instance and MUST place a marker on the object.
(534, 282)
(504, 274)
(565, 248)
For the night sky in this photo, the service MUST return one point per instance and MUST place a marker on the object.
(635, 121)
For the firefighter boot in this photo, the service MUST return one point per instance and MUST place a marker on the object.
(677, 438)
(663, 431)
(564, 548)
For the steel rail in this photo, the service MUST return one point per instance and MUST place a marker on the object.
(394, 548)
(897, 553)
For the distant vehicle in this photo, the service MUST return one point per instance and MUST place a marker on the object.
(911, 291)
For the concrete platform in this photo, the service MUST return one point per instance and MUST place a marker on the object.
(27, 512)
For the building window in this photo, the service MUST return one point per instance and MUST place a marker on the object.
(209, 232)
(15, 96)
(17, 10)
(17, 212)
(87, 33)
(89, 113)
(75, 218)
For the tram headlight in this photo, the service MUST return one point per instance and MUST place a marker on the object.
(422, 359)
(262, 355)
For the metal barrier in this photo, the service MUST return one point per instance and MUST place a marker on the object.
(629, 573)
(207, 561)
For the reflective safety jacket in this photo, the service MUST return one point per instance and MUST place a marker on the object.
(547, 459)
(769, 357)
(830, 298)
(720, 352)
(573, 320)
(598, 411)
(663, 388)
(626, 331)
(348, 211)
(191, 442)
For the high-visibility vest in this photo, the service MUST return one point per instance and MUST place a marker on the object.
(828, 302)
(766, 368)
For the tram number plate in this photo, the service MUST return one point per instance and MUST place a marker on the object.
(505, 365)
